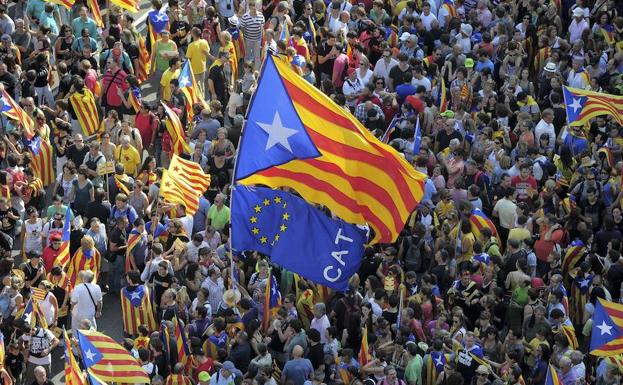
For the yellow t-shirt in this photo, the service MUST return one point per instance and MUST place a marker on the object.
(197, 58)
(519, 234)
(130, 158)
(165, 83)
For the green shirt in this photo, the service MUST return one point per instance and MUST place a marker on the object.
(413, 371)
(53, 210)
(161, 62)
(218, 218)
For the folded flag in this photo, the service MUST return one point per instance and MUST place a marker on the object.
(275, 222)
(94, 6)
(62, 259)
(607, 331)
(144, 61)
(134, 238)
(65, 3)
(73, 374)
(480, 221)
(191, 90)
(417, 138)
(272, 299)
(573, 254)
(13, 111)
(136, 99)
(552, 376)
(582, 105)
(296, 136)
(176, 131)
(442, 98)
(42, 157)
(105, 358)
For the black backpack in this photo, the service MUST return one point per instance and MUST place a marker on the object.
(413, 255)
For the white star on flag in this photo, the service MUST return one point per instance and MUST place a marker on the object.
(277, 133)
(576, 105)
(604, 328)
(184, 81)
(135, 295)
(438, 361)
(584, 283)
(90, 355)
(160, 17)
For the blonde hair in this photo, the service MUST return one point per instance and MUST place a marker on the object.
(87, 242)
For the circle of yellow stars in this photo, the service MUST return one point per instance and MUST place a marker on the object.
(257, 211)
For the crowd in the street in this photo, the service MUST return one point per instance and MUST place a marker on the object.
(444, 304)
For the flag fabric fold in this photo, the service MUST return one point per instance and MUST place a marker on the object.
(42, 156)
(144, 62)
(128, 5)
(73, 374)
(297, 137)
(176, 131)
(105, 358)
(275, 222)
(191, 90)
(65, 3)
(272, 299)
(190, 173)
(63, 257)
(175, 191)
(96, 12)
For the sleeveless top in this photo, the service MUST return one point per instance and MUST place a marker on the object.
(47, 309)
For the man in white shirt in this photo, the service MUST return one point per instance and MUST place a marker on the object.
(427, 16)
(384, 65)
(86, 300)
(352, 88)
(419, 79)
(546, 126)
(321, 321)
(577, 26)
(505, 209)
(192, 247)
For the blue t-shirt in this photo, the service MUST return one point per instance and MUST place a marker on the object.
(298, 370)
(405, 90)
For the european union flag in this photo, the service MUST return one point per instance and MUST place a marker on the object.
(296, 235)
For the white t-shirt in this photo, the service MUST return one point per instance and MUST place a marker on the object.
(506, 210)
(321, 325)
(421, 82)
(187, 221)
(545, 128)
(83, 307)
(427, 21)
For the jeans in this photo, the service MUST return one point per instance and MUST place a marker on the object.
(117, 271)
(253, 52)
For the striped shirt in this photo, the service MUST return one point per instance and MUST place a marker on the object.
(252, 26)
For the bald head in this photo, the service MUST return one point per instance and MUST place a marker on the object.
(297, 351)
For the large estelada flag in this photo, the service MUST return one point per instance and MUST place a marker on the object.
(84, 105)
(582, 105)
(190, 173)
(42, 157)
(298, 137)
(607, 331)
(175, 191)
(105, 358)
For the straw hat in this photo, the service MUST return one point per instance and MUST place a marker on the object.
(231, 297)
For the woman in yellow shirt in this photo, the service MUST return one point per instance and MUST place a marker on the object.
(128, 155)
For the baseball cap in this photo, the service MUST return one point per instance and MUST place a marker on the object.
(204, 376)
(447, 114)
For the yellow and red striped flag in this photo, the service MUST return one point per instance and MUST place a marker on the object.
(109, 361)
(144, 61)
(175, 191)
(37, 294)
(569, 332)
(176, 131)
(62, 259)
(298, 137)
(42, 164)
(65, 3)
(13, 111)
(128, 5)
(85, 107)
(183, 351)
(134, 238)
(73, 374)
(582, 105)
(95, 11)
(190, 173)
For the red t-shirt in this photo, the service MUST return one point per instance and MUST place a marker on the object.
(207, 366)
(523, 187)
(49, 256)
(146, 124)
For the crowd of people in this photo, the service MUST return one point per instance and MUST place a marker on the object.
(445, 304)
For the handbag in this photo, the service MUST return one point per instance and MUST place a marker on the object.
(92, 300)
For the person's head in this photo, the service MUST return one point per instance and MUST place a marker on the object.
(41, 376)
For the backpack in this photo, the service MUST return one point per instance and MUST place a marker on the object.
(413, 256)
